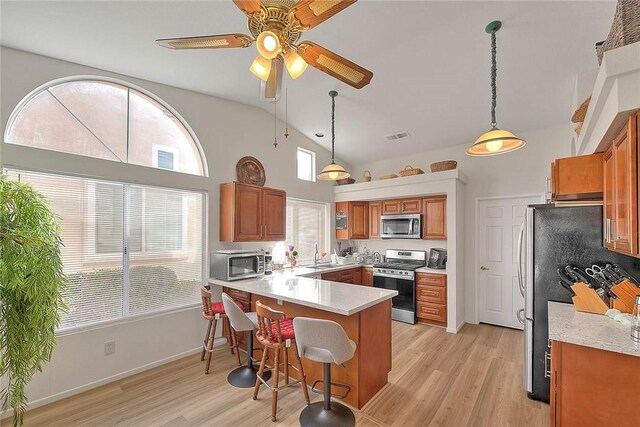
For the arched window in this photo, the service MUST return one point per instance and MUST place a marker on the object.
(106, 119)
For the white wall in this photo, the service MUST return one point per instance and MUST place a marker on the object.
(521, 172)
(227, 131)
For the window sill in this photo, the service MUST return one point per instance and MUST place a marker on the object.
(121, 321)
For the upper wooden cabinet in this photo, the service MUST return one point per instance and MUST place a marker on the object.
(249, 213)
(577, 178)
(620, 228)
(375, 212)
(434, 219)
(401, 206)
(357, 220)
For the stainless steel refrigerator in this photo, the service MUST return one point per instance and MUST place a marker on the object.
(551, 238)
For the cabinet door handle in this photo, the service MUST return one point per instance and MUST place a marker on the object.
(607, 230)
(547, 364)
(614, 230)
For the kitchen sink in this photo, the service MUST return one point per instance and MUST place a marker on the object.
(323, 266)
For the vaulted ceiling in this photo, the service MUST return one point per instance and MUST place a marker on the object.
(430, 62)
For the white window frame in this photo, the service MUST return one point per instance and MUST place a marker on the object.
(313, 164)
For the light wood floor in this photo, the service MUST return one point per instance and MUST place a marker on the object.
(473, 378)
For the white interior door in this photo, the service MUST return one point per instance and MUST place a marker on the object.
(500, 222)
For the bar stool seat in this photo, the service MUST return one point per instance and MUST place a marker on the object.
(326, 342)
(244, 376)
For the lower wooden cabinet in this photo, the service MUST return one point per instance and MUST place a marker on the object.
(591, 387)
(356, 276)
(367, 276)
(431, 296)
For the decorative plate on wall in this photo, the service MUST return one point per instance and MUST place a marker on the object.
(249, 170)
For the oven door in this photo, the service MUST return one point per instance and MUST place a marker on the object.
(400, 227)
(243, 266)
(403, 306)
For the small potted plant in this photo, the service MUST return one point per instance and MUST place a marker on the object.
(292, 255)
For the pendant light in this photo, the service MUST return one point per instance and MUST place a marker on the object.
(496, 141)
(333, 171)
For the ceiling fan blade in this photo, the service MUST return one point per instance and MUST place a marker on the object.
(248, 6)
(313, 12)
(334, 65)
(207, 42)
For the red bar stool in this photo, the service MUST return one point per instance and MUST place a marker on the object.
(213, 311)
(275, 332)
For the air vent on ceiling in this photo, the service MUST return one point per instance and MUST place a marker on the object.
(395, 136)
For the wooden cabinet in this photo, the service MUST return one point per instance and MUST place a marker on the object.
(577, 178)
(434, 218)
(431, 296)
(620, 198)
(357, 225)
(356, 276)
(249, 213)
(367, 276)
(401, 206)
(591, 387)
(375, 212)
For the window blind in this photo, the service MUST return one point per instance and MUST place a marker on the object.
(307, 224)
(128, 249)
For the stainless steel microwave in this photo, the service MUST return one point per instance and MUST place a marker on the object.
(236, 265)
(400, 226)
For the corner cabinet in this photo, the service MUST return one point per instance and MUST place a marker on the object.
(620, 195)
(434, 211)
(249, 213)
(352, 220)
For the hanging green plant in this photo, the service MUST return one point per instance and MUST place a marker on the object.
(31, 286)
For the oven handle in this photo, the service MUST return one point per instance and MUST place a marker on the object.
(393, 276)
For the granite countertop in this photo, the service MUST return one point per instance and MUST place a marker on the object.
(431, 270)
(589, 330)
(291, 285)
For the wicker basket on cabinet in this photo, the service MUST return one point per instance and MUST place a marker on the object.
(443, 166)
(625, 28)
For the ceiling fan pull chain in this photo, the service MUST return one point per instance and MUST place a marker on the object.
(286, 113)
(275, 124)
(494, 72)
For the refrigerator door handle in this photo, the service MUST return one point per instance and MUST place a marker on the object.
(528, 271)
(519, 259)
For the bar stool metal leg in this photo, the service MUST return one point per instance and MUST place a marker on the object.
(246, 376)
(327, 413)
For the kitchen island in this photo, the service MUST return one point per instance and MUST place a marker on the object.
(364, 313)
(592, 355)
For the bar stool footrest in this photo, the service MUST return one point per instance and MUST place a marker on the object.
(337, 396)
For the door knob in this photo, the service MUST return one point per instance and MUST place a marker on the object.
(483, 268)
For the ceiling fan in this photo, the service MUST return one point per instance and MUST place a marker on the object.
(276, 27)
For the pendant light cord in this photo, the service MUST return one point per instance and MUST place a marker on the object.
(494, 72)
(333, 95)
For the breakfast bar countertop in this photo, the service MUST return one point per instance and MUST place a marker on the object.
(335, 297)
(589, 330)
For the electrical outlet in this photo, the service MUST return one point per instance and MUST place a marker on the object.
(109, 348)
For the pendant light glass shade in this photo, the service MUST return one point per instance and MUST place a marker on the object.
(333, 171)
(268, 44)
(261, 67)
(295, 64)
(496, 141)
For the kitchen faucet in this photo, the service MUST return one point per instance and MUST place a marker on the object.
(316, 255)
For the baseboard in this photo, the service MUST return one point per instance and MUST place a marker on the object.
(456, 329)
(112, 378)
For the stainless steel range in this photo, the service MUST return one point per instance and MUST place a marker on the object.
(398, 273)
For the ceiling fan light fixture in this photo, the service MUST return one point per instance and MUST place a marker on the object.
(332, 172)
(268, 44)
(496, 141)
(295, 64)
(261, 68)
